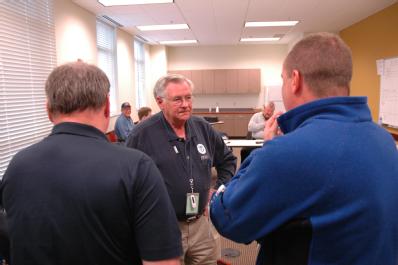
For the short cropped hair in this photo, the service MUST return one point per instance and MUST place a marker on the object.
(270, 104)
(75, 87)
(324, 61)
(160, 87)
(125, 105)
(144, 111)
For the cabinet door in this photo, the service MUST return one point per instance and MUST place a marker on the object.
(243, 81)
(241, 122)
(220, 81)
(254, 80)
(197, 80)
(232, 81)
(208, 81)
(228, 125)
(186, 73)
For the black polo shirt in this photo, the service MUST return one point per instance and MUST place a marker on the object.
(75, 198)
(180, 160)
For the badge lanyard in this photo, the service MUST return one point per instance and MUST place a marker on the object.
(187, 165)
(192, 199)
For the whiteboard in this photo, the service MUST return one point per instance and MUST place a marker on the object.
(274, 93)
(388, 71)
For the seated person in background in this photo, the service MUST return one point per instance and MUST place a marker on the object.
(124, 124)
(257, 121)
(256, 127)
(75, 198)
(144, 113)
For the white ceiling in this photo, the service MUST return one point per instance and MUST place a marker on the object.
(220, 22)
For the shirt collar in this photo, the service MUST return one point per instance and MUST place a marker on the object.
(78, 129)
(189, 130)
(352, 109)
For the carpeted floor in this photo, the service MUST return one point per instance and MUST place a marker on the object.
(238, 254)
(229, 249)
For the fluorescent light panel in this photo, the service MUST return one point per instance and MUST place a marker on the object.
(163, 27)
(270, 23)
(258, 39)
(178, 41)
(132, 2)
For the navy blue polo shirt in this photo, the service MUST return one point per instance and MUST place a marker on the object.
(180, 160)
(75, 198)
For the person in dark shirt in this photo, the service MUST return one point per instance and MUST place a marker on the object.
(75, 198)
(185, 148)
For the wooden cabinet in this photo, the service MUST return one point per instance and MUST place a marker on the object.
(235, 125)
(254, 80)
(243, 81)
(224, 81)
(220, 82)
(197, 80)
(208, 81)
(233, 81)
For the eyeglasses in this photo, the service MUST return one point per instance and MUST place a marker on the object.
(180, 100)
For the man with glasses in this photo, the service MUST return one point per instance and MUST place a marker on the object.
(184, 148)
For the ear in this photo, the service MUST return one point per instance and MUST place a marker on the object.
(160, 102)
(107, 110)
(296, 82)
(49, 114)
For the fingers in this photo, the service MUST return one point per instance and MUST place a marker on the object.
(271, 127)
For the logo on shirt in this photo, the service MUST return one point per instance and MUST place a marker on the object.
(201, 149)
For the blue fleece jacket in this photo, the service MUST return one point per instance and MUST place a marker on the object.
(334, 168)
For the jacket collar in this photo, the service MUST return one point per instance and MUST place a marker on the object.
(350, 109)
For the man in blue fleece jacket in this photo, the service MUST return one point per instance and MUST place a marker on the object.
(326, 192)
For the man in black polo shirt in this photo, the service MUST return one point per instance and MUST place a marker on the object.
(184, 148)
(75, 198)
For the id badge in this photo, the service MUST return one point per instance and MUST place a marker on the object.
(192, 205)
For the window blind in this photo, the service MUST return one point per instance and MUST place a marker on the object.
(106, 46)
(139, 58)
(27, 56)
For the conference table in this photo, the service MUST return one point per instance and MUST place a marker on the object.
(243, 143)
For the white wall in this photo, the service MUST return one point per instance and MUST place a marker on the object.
(157, 67)
(268, 58)
(75, 33)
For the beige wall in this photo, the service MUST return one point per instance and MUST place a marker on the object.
(157, 67)
(373, 38)
(75, 33)
(267, 57)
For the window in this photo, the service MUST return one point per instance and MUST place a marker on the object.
(106, 45)
(27, 56)
(139, 58)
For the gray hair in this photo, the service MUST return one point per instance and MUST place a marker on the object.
(324, 61)
(76, 86)
(160, 87)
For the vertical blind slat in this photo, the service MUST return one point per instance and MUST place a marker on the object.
(27, 57)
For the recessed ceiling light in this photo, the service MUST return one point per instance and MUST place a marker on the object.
(270, 23)
(163, 27)
(258, 39)
(132, 2)
(178, 41)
